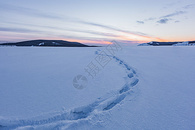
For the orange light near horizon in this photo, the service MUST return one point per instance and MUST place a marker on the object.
(120, 37)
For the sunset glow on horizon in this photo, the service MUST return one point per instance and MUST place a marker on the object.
(97, 22)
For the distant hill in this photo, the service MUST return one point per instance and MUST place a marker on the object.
(186, 43)
(47, 43)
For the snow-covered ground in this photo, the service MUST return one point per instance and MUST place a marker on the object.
(138, 88)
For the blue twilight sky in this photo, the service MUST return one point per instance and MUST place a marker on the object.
(98, 21)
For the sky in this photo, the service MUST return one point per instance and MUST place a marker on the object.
(97, 21)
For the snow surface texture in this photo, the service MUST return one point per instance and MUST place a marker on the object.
(68, 119)
(162, 97)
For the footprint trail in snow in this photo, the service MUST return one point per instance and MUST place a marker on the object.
(67, 120)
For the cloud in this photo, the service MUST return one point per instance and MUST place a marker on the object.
(170, 5)
(163, 21)
(37, 13)
(150, 19)
(50, 34)
(188, 6)
(140, 22)
(174, 14)
(134, 33)
(30, 12)
(70, 37)
(20, 30)
(115, 29)
(92, 32)
(65, 29)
